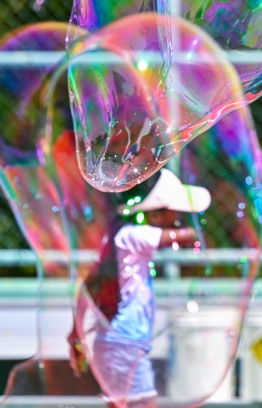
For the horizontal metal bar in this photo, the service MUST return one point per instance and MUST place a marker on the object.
(62, 288)
(84, 402)
(212, 256)
(10, 257)
(30, 58)
(46, 58)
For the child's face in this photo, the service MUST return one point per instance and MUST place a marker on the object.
(162, 218)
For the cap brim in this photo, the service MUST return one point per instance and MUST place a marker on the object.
(171, 194)
(189, 198)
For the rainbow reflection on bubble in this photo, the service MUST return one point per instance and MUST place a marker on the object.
(235, 26)
(129, 122)
(199, 318)
(23, 114)
(56, 209)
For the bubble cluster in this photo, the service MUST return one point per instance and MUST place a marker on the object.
(136, 100)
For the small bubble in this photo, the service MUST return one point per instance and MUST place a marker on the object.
(153, 272)
(172, 235)
(196, 250)
(249, 180)
(197, 244)
(240, 214)
(55, 208)
(175, 246)
(192, 306)
(240, 266)
(37, 7)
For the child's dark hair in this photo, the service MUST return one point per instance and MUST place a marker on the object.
(141, 190)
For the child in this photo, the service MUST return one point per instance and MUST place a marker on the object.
(120, 358)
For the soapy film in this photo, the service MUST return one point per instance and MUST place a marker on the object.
(42, 189)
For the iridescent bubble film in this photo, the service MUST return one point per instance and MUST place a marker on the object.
(23, 114)
(136, 99)
(55, 221)
(198, 322)
(49, 199)
(132, 114)
(233, 25)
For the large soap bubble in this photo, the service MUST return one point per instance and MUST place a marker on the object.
(135, 104)
(69, 204)
(198, 319)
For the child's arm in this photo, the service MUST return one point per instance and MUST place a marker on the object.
(183, 236)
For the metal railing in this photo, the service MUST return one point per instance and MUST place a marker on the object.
(171, 284)
(40, 58)
(170, 260)
(224, 256)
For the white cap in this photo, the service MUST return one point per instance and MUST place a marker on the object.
(169, 193)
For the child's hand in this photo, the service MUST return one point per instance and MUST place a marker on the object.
(77, 359)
